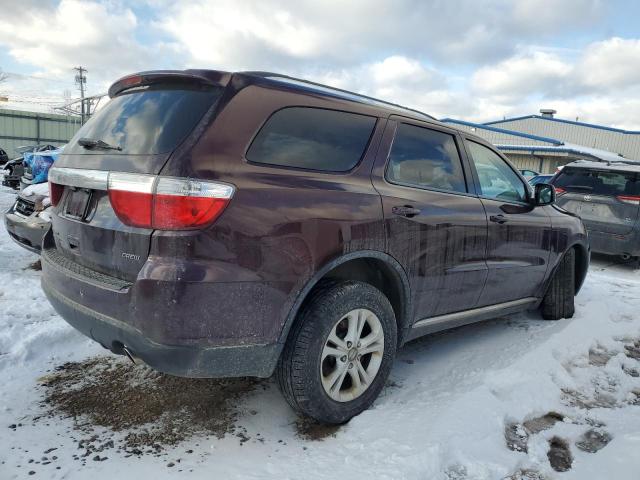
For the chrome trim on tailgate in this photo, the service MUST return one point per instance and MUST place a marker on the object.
(78, 177)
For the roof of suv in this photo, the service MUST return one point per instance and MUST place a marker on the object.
(618, 165)
(285, 82)
(223, 78)
(325, 90)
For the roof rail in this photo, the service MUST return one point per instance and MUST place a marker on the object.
(612, 162)
(316, 84)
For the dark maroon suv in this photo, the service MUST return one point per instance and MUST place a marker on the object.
(215, 224)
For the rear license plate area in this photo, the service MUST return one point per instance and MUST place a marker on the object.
(77, 203)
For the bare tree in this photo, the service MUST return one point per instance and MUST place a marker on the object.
(3, 76)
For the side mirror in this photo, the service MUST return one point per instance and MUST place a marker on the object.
(544, 194)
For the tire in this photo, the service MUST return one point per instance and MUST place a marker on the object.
(304, 374)
(559, 300)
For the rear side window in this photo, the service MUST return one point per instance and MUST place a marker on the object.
(312, 138)
(425, 158)
(598, 182)
(146, 121)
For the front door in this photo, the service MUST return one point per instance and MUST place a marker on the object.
(436, 227)
(519, 235)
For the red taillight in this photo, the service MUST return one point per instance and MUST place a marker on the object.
(132, 208)
(171, 212)
(55, 193)
(560, 191)
(632, 199)
(166, 203)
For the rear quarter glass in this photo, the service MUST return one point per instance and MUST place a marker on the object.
(144, 121)
(312, 138)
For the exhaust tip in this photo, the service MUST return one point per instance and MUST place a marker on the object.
(120, 348)
(129, 355)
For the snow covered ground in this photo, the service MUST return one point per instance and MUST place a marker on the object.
(443, 416)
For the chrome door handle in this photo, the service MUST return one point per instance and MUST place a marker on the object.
(405, 211)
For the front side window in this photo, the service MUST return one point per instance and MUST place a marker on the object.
(497, 178)
(312, 138)
(425, 158)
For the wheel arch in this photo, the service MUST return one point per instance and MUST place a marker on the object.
(582, 264)
(376, 268)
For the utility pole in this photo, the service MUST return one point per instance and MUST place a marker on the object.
(81, 81)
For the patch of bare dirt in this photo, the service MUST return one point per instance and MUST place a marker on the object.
(559, 455)
(593, 440)
(516, 437)
(580, 400)
(526, 474)
(633, 351)
(599, 357)
(151, 409)
(37, 266)
(310, 430)
(517, 434)
(545, 422)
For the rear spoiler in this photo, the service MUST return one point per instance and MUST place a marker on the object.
(185, 77)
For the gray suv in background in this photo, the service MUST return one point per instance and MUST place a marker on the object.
(606, 195)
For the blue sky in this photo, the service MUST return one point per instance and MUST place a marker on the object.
(475, 60)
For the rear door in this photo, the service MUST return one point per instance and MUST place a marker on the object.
(606, 200)
(519, 235)
(436, 227)
(142, 127)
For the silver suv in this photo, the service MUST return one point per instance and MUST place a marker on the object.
(606, 195)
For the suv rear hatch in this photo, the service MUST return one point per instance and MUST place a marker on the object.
(148, 118)
(608, 201)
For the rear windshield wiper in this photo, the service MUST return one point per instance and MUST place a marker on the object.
(91, 143)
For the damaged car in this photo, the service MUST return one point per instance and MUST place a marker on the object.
(28, 218)
(15, 169)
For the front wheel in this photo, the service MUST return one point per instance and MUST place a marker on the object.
(559, 300)
(339, 353)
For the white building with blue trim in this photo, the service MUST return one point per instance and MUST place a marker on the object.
(543, 142)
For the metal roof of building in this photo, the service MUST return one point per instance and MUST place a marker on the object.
(483, 126)
(561, 120)
(555, 145)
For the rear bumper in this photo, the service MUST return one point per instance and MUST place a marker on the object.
(612, 244)
(179, 360)
(26, 232)
(159, 322)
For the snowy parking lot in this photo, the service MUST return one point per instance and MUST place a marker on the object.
(516, 397)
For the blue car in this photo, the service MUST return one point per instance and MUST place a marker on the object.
(540, 179)
(37, 166)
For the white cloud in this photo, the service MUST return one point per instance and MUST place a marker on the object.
(613, 63)
(456, 58)
(243, 34)
(521, 75)
(56, 38)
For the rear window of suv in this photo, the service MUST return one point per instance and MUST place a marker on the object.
(150, 120)
(312, 138)
(598, 182)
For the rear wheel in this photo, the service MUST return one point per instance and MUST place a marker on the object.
(339, 353)
(559, 300)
